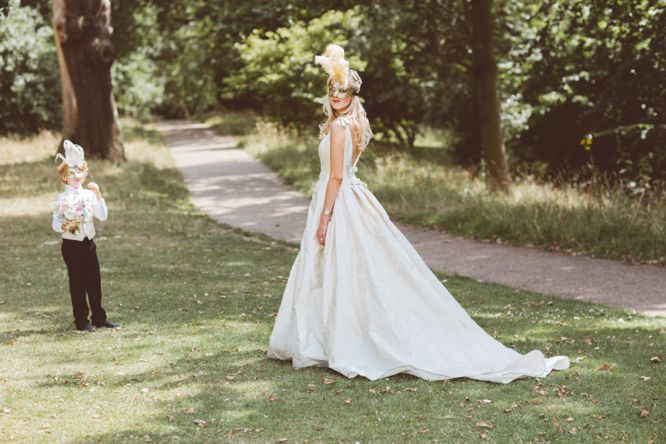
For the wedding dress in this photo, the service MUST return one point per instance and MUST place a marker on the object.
(367, 304)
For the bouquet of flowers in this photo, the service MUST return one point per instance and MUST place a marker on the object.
(73, 210)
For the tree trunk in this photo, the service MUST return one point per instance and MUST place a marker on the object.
(484, 71)
(83, 42)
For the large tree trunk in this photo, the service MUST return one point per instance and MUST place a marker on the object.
(484, 69)
(83, 42)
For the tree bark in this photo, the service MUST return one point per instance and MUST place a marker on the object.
(85, 55)
(484, 71)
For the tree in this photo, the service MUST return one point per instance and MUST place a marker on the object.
(484, 72)
(85, 54)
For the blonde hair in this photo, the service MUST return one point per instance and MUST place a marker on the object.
(360, 126)
(63, 168)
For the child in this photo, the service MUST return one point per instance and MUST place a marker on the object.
(73, 217)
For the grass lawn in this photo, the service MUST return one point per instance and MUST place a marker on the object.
(425, 188)
(197, 302)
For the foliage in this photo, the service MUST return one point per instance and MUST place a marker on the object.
(569, 71)
(29, 79)
(279, 68)
(418, 71)
(573, 69)
(138, 81)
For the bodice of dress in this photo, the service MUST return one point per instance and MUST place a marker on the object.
(325, 153)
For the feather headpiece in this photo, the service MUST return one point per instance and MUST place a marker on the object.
(74, 159)
(342, 81)
(74, 155)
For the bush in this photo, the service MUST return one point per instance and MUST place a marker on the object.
(29, 75)
(138, 88)
(279, 66)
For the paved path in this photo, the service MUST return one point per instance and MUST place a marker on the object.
(234, 188)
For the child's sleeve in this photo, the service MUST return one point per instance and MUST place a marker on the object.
(99, 210)
(57, 217)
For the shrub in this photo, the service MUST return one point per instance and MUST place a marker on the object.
(29, 76)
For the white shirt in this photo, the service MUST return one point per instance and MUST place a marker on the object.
(88, 199)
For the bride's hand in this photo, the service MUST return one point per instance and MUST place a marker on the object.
(321, 231)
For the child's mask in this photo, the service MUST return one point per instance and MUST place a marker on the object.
(75, 173)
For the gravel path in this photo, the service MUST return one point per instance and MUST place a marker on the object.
(234, 188)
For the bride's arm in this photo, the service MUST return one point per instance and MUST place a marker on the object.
(335, 177)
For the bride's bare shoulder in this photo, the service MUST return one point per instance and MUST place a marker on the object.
(337, 127)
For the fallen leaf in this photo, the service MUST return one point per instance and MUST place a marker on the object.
(448, 417)
(328, 381)
(538, 388)
(644, 412)
(348, 401)
(556, 423)
(483, 435)
(484, 401)
(569, 419)
(485, 424)
(11, 341)
(561, 391)
(311, 387)
(511, 408)
(604, 367)
(208, 355)
(410, 389)
(189, 410)
(272, 398)
(645, 378)
(655, 359)
(283, 440)
(199, 422)
(598, 416)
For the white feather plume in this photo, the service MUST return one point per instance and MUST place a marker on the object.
(333, 61)
(74, 155)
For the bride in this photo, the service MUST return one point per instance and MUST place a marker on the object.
(359, 298)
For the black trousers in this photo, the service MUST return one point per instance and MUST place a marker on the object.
(84, 278)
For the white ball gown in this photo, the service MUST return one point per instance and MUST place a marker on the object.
(367, 304)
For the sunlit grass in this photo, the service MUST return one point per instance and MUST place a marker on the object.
(28, 149)
(197, 302)
(233, 123)
(425, 190)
